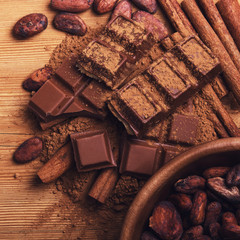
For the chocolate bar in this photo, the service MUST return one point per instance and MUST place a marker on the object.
(69, 93)
(166, 84)
(92, 150)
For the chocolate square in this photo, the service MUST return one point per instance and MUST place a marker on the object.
(170, 152)
(138, 157)
(184, 129)
(92, 150)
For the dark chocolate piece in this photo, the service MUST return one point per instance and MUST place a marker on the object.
(104, 63)
(133, 36)
(166, 84)
(92, 150)
(170, 152)
(69, 93)
(183, 129)
(138, 157)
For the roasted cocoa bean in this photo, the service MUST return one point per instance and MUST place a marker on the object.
(103, 6)
(146, 5)
(193, 232)
(218, 186)
(123, 8)
(203, 237)
(37, 79)
(28, 150)
(230, 228)
(182, 201)
(233, 176)
(70, 23)
(152, 24)
(166, 221)
(215, 172)
(190, 184)
(213, 212)
(197, 214)
(30, 25)
(72, 5)
(238, 216)
(214, 231)
(148, 236)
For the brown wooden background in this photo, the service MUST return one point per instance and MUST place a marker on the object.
(28, 210)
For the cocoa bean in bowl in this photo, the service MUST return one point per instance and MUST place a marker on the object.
(194, 196)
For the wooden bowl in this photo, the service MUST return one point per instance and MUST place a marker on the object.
(223, 152)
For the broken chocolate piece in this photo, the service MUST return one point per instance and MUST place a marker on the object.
(92, 150)
(102, 62)
(138, 157)
(69, 93)
(183, 129)
(170, 152)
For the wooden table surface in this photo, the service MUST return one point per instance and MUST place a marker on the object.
(26, 208)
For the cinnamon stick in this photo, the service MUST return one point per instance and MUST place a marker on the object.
(217, 23)
(61, 161)
(104, 185)
(210, 38)
(230, 12)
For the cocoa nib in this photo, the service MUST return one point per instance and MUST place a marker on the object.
(37, 79)
(152, 24)
(190, 184)
(123, 8)
(72, 5)
(218, 186)
(30, 25)
(146, 5)
(166, 221)
(233, 176)
(28, 150)
(70, 23)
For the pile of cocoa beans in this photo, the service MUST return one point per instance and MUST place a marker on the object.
(200, 208)
(68, 21)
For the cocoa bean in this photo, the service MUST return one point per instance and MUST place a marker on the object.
(37, 79)
(123, 8)
(30, 25)
(72, 5)
(190, 184)
(213, 212)
(233, 176)
(166, 221)
(70, 23)
(146, 5)
(197, 214)
(238, 216)
(203, 237)
(218, 186)
(28, 150)
(148, 236)
(193, 232)
(215, 172)
(182, 201)
(103, 6)
(214, 231)
(152, 24)
(230, 229)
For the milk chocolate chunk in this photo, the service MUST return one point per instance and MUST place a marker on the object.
(183, 129)
(102, 62)
(69, 93)
(138, 157)
(170, 152)
(133, 36)
(92, 150)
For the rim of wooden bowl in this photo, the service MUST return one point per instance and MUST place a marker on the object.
(145, 199)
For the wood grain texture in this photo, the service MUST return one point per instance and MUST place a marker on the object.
(29, 209)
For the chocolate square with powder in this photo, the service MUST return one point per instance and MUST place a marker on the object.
(183, 129)
(92, 150)
(138, 157)
(170, 152)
